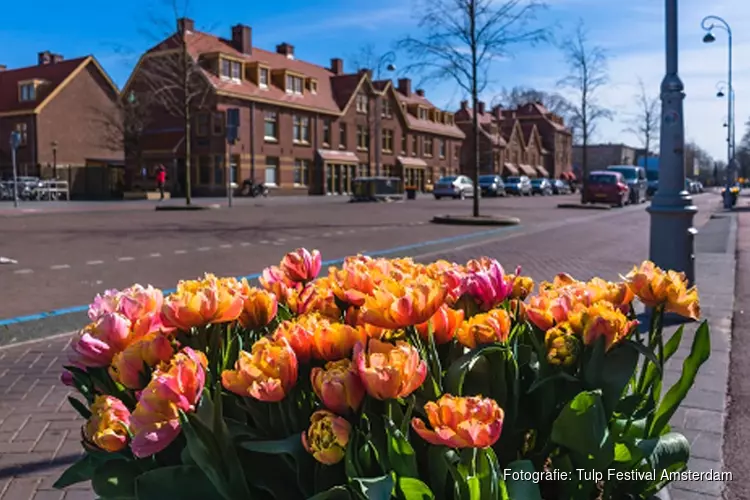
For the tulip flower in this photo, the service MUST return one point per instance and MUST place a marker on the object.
(128, 366)
(618, 294)
(334, 341)
(485, 283)
(327, 437)
(486, 328)
(315, 297)
(655, 287)
(197, 303)
(143, 307)
(299, 335)
(107, 427)
(604, 320)
(395, 305)
(301, 265)
(97, 343)
(461, 422)
(521, 286)
(353, 282)
(389, 371)
(259, 307)
(443, 325)
(338, 386)
(562, 345)
(103, 304)
(545, 311)
(175, 387)
(275, 281)
(267, 373)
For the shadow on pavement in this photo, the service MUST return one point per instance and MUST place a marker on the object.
(41, 465)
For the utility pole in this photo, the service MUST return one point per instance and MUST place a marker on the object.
(15, 141)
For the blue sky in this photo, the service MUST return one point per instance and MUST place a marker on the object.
(632, 33)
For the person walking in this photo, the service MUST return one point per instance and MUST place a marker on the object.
(161, 180)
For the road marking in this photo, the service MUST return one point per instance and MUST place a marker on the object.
(60, 266)
(326, 235)
(297, 238)
(23, 271)
(281, 240)
(125, 259)
(155, 254)
(94, 262)
(352, 231)
(264, 242)
(340, 232)
(225, 246)
(180, 252)
(276, 243)
(204, 249)
(245, 244)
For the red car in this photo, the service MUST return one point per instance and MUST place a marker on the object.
(606, 187)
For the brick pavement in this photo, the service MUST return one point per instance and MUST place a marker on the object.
(39, 432)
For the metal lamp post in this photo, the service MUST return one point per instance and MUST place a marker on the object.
(672, 210)
(709, 23)
(387, 63)
(15, 141)
(54, 159)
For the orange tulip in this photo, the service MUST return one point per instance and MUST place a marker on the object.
(461, 422)
(618, 294)
(267, 373)
(655, 287)
(315, 297)
(604, 320)
(331, 341)
(544, 311)
(443, 325)
(299, 335)
(522, 286)
(129, 365)
(396, 305)
(327, 437)
(197, 303)
(259, 307)
(338, 386)
(353, 282)
(486, 328)
(107, 427)
(389, 371)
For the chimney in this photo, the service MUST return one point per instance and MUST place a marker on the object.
(480, 107)
(404, 86)
(286, 50)
(3, 67)
(337, 66)
(242, 38)
(45, 58)
(420, 92)
(185, 24)
(464, 105)
(498, 112)
(56, 58)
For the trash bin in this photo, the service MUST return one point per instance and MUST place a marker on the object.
(411, 193)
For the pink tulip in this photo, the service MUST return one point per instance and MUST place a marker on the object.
(128, 366)
(103, 304)
(274, 280)
(100, 341)
(485, 283)
(301, 265)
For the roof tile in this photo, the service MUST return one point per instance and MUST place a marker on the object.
(54, 74)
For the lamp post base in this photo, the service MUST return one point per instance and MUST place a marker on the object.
(673, 234)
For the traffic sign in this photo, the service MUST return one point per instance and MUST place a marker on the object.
(15, 139)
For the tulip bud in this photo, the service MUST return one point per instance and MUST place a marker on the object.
(107, 427)
(327, 437)
(338, 386)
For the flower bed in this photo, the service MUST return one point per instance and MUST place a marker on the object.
(384, 378)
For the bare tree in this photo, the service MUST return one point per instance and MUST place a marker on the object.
(645, 123)
(368, 57)
(461, 39)
(122, 126)
(173, 80)
(588, 74)
(743, 152)
(518, 96)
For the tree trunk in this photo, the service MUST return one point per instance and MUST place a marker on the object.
(187, 117)
(474, 102)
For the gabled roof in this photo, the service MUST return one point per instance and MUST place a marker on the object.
(531, 134)
(415, 123)
(513, 129)
(55, 75)
(467, 115)
(543, 114)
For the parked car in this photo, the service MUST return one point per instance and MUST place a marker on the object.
(491, 185)
(541, 186)
(520, 186)
(559, 186)
(692, 186)
(606, 186)
(652, 177)
(453, 186)
(635, 178)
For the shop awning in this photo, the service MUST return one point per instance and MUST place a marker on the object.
(527, 170)
(542, 171)
(411, 162)
(333, 156)
(510, 169)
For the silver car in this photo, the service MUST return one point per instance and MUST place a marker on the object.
(457, 187)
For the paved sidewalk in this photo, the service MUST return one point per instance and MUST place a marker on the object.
(40, 433)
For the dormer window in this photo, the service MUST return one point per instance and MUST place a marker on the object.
(293, 84)
(27, 92)
(361, 103)
(263, 78)
(312, 85)
(231, 70)
(422, 113)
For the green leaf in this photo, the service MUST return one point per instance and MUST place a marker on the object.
(438, 467)
(582, 428)
(81, 408)
(401, 456)
(289, 446)
(556, 376)
(699, 353)
(517, 487)
(667, 451)
(621, 363)
(455, 377)
(186, 482)
(335, 493)
(488, 474)
(644, 350)
(82, 470)
(409, 488)
(115, 479)
(594, 365)
(669, 349)
(376, 488)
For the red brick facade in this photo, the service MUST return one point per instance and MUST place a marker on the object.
(303, 128)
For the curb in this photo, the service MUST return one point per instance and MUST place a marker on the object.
(460, 220)
(584, 207)
(185, 208)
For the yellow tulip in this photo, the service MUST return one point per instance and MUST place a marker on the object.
(655, 287)
(327, 437)
(485, 328)
(267, 373)
(198, 303)
(107, 427)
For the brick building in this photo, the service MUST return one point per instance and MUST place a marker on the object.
(58, 107)
(304, 128)
(528, 140)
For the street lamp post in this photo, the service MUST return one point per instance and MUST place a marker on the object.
(387, 63)
(15, 141)
(708, 24)
(54, 159)
(672, 210)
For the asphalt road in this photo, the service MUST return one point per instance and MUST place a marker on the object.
(65, 256)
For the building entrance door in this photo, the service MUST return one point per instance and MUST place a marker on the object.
(329, 179)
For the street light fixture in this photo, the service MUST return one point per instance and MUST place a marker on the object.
(387, 61)
(709, 23)
(672, 209)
